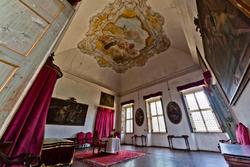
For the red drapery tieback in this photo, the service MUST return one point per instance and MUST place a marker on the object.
(104, 121)
(26, 130)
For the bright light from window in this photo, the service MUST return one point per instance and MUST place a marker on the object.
(129, 118)
(201, 114)
(156, 119)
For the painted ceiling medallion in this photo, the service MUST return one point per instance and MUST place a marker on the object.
(125, 34)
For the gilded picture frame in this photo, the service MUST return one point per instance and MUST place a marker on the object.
(107, 100)
(243, 5)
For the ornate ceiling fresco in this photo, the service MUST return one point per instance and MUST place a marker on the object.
(125, 34)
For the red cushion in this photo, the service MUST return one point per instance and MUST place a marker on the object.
(80, 137)
(89, 137)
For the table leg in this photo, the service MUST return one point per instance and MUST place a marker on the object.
(171, 139)
(187, 143)
(170, 142)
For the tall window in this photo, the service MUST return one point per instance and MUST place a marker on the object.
(129, 118)
(156, 121)
(201, 115)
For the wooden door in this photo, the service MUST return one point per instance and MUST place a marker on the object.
(28, 31)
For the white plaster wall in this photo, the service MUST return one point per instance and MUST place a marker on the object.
(84, 92)
(209, 141)
(198, 141)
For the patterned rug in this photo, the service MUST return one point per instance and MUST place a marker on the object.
(101, 160)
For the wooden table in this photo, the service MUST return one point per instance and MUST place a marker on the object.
(236, 155)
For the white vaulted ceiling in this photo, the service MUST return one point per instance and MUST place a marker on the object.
(175, 60)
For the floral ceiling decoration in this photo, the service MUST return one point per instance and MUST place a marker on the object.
(125, 34)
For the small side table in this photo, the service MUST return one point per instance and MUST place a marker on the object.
(143, 140)
(185, 137)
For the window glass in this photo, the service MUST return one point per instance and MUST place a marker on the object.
(131, 126)
(128, 118)
(153, 108)
(202, 100)
(155, 124)
(131, 112)
(192, 105)
(211, 123)
(128, 113)
(159, 108)
(198, 122)
(128, 126)
(156, 121)
(201, 114)
(162, 124)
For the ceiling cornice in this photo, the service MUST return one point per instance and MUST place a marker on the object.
(89, 81)
(99, 85)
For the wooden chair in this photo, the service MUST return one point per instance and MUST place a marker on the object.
(98, 144)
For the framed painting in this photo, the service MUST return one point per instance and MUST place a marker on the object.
(226, 38)
(243, 5)
(139, 117)
(66, 112)
(174, 112)
(107, 100)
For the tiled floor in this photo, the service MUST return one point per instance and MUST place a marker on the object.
(163, 157)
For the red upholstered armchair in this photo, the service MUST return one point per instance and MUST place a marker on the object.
(80, 140)
(89, 138)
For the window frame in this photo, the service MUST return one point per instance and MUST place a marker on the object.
(188, 111)
(124, 109)
(149, 115)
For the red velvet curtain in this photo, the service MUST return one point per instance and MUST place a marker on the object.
(104, 121)
(26, 129)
